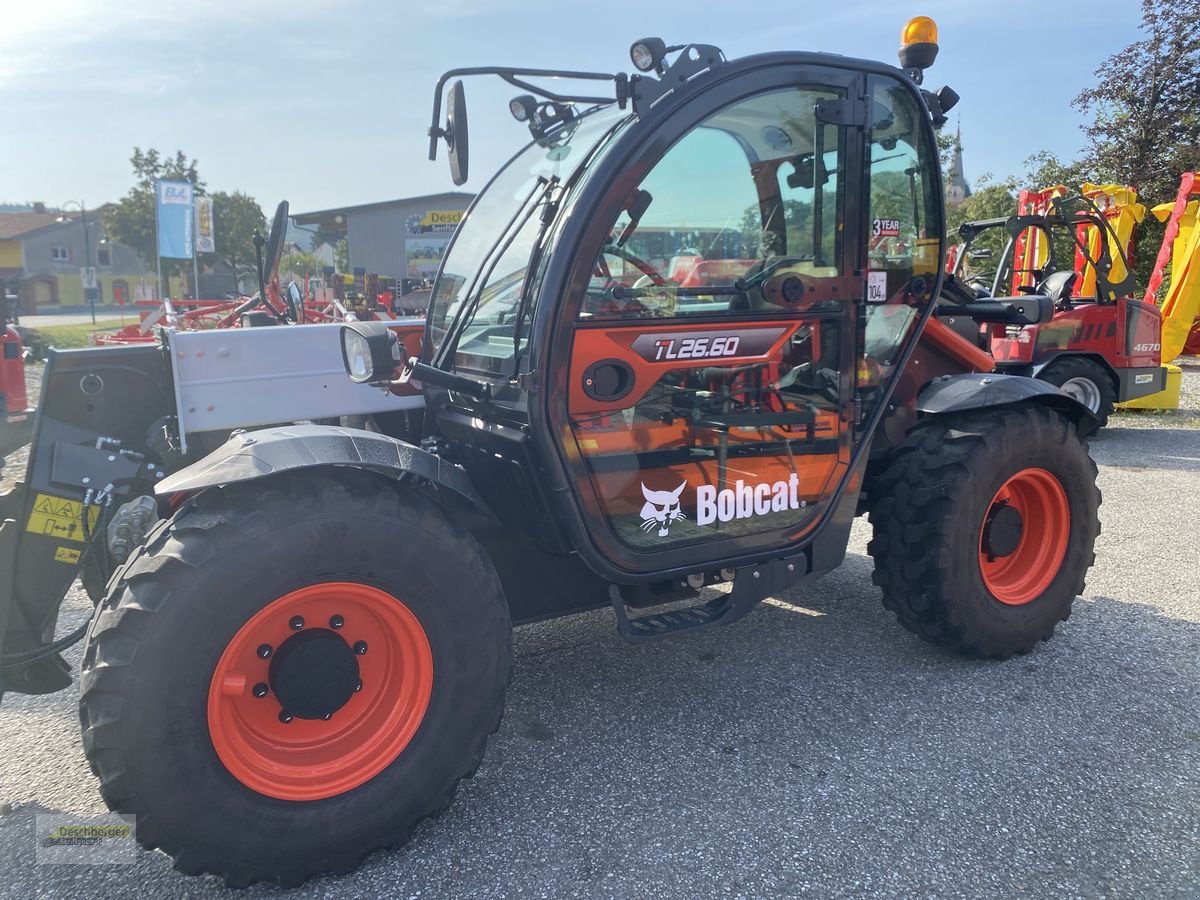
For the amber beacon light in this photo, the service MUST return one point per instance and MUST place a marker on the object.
(918, 43)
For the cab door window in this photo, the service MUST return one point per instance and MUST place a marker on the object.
(707, 389)
(903, 233)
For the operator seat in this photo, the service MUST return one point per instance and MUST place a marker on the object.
(1058, 286)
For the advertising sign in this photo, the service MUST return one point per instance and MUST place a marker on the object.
(205, 237)
(424, 255)
(438, 221)
(175, 217)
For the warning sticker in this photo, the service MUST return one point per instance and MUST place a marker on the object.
(59, 518)
(66, 555)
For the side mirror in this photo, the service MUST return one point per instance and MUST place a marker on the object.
(275, 240)
(370, 352)
(457, 142)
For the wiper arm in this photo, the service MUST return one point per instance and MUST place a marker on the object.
(475, 293)
(549, 210)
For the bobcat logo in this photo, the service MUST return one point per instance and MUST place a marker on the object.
(661, 509)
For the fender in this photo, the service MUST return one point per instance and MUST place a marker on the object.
(251, 455)
(1046, 360)
(975, 390)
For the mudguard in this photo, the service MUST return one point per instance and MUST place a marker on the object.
(975, 390)
(250, 455)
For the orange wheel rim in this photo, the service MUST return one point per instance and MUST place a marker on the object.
(354, 665)
(1020, 557)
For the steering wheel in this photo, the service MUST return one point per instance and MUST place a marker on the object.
(957, 291)
(656, 277)
(291, 296)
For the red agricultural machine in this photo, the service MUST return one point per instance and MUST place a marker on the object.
(307, 651)
(16, 418)
(274, 304)
(1105, 343)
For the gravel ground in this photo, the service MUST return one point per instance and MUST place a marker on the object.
(813, 749)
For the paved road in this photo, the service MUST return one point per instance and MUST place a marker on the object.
(815, 748)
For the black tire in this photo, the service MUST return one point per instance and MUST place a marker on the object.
(1085, 380)
(157, 638)
(928, 505)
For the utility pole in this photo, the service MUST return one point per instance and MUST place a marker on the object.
(87, 270)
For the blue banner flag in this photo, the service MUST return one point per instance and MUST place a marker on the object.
(175, 218)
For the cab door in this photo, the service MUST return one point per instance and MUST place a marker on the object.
(708, 344)
(716, 352)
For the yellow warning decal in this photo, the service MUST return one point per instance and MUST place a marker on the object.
(66, 555)
(58, 518)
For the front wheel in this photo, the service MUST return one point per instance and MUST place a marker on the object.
(1086, 381)
(293, 674)
(984, 526)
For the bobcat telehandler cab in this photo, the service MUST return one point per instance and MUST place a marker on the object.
(310, 650)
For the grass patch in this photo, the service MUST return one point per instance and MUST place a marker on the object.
(64, 337)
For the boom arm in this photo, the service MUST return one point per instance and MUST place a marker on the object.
(1180, 247)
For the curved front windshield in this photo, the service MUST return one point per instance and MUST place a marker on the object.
(484, 271)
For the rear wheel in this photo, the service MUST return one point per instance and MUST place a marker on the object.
(984, 526)
(293, 674)
(1086, 381)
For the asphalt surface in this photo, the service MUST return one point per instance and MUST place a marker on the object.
(814, 749)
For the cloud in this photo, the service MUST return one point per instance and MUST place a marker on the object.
(64, 41)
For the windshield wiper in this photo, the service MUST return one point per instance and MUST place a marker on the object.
(549, 210)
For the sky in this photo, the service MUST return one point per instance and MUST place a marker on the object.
(326, 103)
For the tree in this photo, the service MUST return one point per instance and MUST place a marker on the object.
(131, 220)
(987, 201)
(1145, 113)
(1045, 170)
(341, 256)
(1146, 106)
(295, 266)
(236, 216)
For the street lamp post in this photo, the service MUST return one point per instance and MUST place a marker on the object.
(89, 293)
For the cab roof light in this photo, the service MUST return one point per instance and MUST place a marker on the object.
(918, 45)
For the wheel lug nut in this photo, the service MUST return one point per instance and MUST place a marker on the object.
(360, 647)
(260, 690)
(336, 621)
(296, 623)
(285, 717)
(264, 650)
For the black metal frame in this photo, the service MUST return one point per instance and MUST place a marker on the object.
(516, 77)
(664, 109)
(1056, 218)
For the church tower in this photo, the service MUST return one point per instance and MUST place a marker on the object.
(957, 189)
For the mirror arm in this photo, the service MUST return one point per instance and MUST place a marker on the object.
(428, 374)
(514, 77)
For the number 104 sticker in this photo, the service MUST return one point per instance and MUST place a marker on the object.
(877, 287)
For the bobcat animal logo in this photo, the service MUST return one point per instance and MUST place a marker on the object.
(661, 509)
